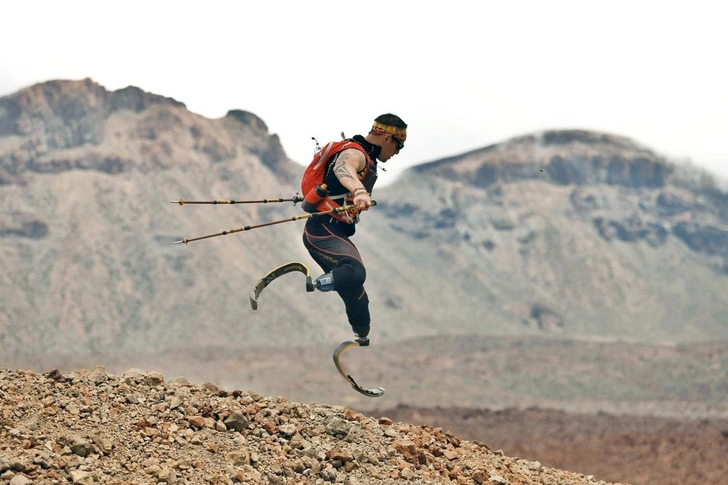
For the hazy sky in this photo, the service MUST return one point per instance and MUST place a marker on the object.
(463, 74)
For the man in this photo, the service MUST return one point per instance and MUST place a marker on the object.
(350, 175)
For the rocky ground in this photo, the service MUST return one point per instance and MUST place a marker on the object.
(89, 427)
(640, 450)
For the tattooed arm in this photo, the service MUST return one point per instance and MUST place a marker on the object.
(347, 165)
(346, 168)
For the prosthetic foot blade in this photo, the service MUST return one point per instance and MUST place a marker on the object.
(262, 283)
(369, 392)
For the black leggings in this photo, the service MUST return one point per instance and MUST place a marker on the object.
(332, 249)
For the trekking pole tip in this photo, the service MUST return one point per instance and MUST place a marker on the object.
(183, 241)
(180, 202)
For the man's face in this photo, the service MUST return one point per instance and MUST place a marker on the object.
(390, 148)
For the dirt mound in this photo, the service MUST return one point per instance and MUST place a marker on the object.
(89, 427)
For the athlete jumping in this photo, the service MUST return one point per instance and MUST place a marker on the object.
(349, 174)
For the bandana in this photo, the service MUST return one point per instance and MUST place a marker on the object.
(398, 133)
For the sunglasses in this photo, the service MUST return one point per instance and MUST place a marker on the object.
(400, 145)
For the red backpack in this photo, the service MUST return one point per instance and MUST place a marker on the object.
(316, 197)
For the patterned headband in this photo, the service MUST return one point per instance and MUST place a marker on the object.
(399, 133)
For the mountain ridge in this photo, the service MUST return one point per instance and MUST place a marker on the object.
(595, 158)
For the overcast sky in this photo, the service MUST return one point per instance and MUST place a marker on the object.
(462, 74)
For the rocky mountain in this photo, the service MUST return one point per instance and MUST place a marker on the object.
(571, 232)
(87, 227)
(565, 239)
(57, 428)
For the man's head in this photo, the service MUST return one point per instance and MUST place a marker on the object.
(389, 133)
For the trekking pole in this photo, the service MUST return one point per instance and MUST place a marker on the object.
(295, 199)
(337, 210)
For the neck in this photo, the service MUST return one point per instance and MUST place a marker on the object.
(371, 149)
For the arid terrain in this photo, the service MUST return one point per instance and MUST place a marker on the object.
(559, 295)
(638, 450)
(621, 425)
(89, 427)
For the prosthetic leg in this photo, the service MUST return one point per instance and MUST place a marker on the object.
(323, 283)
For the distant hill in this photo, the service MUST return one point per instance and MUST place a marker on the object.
(87, 179)
(569, 232)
